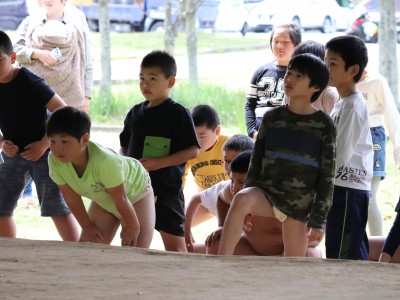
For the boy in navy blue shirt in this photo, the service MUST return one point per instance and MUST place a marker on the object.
(160, 133)
(24, 101)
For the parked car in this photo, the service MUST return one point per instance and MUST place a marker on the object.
(325, 15)
(232, 17)
(12, 13)
(144, 15)
(365, 17)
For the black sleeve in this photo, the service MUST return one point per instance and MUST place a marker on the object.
(251, 104)
(125, 135)
(393, 239)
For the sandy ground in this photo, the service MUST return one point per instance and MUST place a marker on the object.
(63, 270)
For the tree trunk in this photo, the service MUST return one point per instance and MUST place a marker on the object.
(187, 16)
(170, 31)
(388, 45)
(191, 43)
(104, 27)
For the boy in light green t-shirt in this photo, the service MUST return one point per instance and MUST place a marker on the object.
(119, 186)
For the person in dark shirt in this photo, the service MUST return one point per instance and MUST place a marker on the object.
(24, 103)
(160, 133)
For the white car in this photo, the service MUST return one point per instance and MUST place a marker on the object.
(232, 17)
(325, 15)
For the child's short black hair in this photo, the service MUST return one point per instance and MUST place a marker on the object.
(314, 68)
(68, 120)
(240, 164)
(352, 50)
(205, 115)
(310, 46)
(161, 59)
(294, 33)
(239, 142)
(5, 43)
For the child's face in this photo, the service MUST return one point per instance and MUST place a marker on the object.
(282, 46)
(337, 74)
(297, 85)
(6, 67)
(229, 155)
(207, 137)
(67, 148)
(154, 86)
(53, 6)
(237, 182)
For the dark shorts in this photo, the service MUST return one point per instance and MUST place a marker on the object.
(346, 237)
(379, 142)
(170, 214)
(14, 172)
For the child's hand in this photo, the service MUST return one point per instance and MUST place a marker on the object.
(189, 240)
(129, 236)
(315, 235)
(150, 163)
(214, 237)
(247, 224)
(9, 148)
(91, 234)
(34, 151)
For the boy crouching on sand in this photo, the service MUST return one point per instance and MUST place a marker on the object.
(118, 186)
(292, 166)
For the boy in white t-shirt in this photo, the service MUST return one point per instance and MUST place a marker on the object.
(346, 238)
(119, 186)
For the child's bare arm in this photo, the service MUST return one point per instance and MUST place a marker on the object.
(191, 210)
(55, 102)
(222, 209)
(90, 233)
(130, 223)
(152, 164)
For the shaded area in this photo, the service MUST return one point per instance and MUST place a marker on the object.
(49, 269)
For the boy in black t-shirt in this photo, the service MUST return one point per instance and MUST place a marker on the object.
(160, 133)
(24, 101)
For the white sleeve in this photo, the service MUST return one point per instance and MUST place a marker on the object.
(209, 196)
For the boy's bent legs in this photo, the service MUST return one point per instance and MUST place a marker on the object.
(51, 202)
(8, 227)
(106, 222)
(294, 234)
(243, 247)
(146, 215)
(173, 242)
(248, 201)
(67, 227)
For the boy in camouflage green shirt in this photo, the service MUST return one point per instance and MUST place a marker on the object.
(292, 166)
